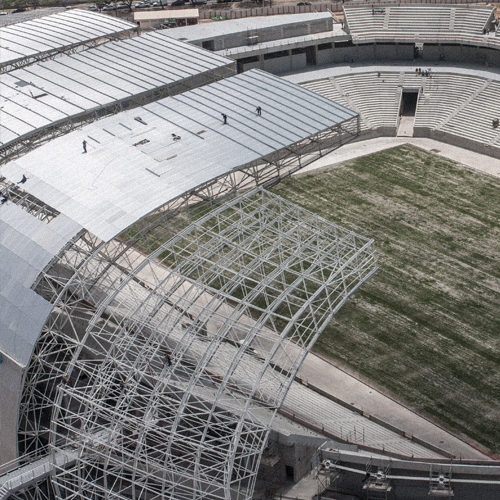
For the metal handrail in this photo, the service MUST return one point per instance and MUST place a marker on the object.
(19, 462)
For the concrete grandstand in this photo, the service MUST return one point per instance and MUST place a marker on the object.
(157, 317)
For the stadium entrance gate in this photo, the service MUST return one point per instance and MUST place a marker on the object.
(407, 109)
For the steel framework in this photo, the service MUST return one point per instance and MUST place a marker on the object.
(51, 355)
(164, 361)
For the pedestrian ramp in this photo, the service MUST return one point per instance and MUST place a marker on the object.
(22, 476)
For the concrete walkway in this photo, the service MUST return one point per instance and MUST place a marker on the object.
(349, 389)
(352, 150)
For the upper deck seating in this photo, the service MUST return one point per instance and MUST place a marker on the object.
(459, 104)
(417, 19)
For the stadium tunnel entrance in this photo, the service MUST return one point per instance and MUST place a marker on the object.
(407, 110)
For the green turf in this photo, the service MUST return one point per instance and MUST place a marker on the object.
(427, 326)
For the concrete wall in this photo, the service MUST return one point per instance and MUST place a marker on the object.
(315, 7)
(336, 54)
(272, 11)
(239, 39)
(277, 65)
(461, 142)
(461, 54)
(298, 61)
(254, 65)
(325, 56)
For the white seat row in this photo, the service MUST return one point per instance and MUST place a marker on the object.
(348, 425)
(458, 104)
(419, 19)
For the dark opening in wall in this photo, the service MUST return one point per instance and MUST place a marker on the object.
(311, 56)
(208, 44)
(240, 63)
(275, 55)
(344, 44)
(408, 103)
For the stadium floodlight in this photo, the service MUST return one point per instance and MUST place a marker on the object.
(165, 370)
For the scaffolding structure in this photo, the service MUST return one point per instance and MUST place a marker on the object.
(164, 368)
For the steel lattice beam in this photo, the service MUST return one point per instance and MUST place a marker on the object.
(166, 369)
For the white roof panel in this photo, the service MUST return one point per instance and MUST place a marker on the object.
(133, 165)
(27, 245)
(72, 84)
(56, 32)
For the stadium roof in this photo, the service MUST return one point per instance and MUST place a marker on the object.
(28, 15)
(27, 245)
(56, 32)
(133, 165)
(38, 97)
(211, 30)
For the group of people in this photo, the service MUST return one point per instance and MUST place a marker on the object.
(258, 110)
(5, 196)
(422, 72)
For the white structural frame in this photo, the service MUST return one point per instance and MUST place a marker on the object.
(177, 363)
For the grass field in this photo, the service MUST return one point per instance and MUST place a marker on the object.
(427, 326)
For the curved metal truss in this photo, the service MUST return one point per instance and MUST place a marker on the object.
(55, 345)
(165, 369)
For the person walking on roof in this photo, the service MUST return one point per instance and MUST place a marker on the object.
(224, 117)
(23, 180)
(84, 146)
(259, 111)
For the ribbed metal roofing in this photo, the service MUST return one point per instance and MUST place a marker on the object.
(37, 96)
(133, 165)
(64, 29)
(27, 245)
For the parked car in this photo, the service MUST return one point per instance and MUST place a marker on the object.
(178, 3)
(304, 3)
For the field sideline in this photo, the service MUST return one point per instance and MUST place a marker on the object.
(427, 326)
